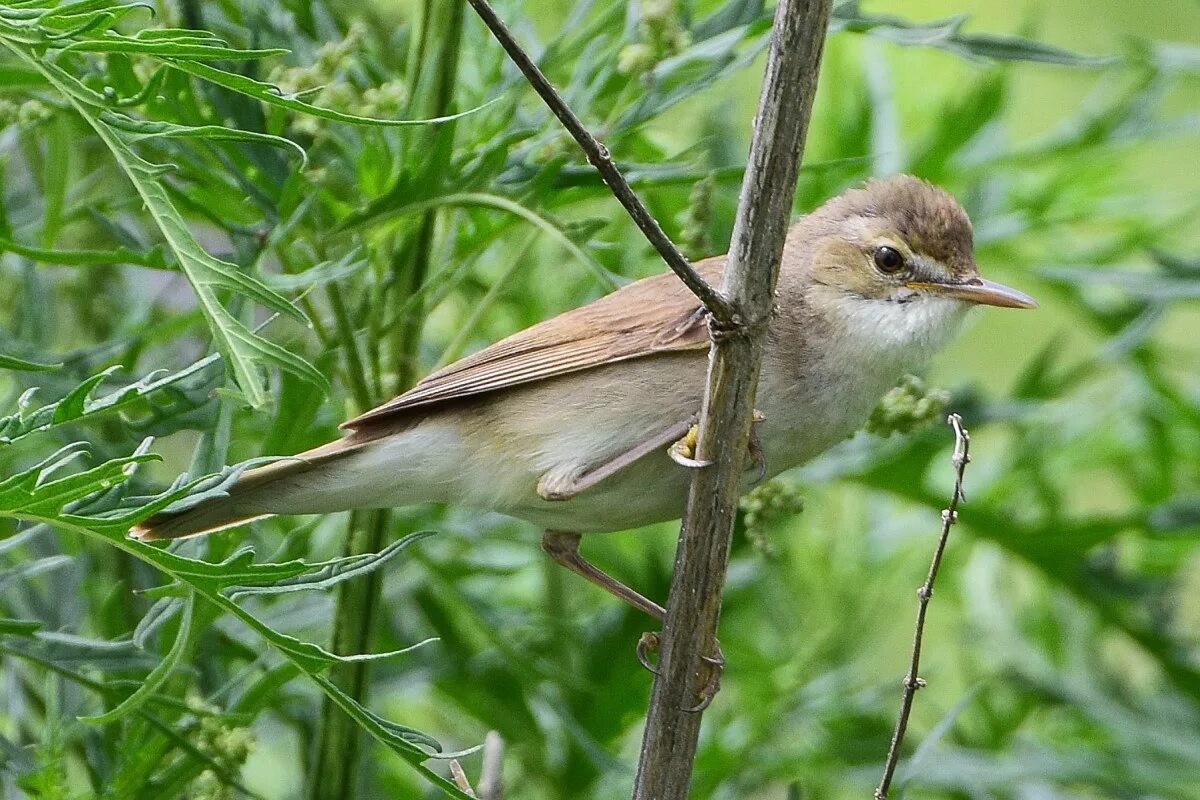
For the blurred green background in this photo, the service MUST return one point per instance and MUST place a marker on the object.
(1063, 651)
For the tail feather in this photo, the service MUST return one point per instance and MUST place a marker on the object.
(255, 495)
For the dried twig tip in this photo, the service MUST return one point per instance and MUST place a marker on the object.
(961, 457)
(460, 778)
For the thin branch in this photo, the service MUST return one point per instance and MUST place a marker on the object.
(490, 784)
(460, 778)
(717, 304)
(689, 648)
(913, 681)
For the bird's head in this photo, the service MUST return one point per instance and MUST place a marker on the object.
(894, 261)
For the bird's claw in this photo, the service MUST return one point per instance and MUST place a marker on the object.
(714, 668)
(683, 452)
(758, 458)
(647, 644)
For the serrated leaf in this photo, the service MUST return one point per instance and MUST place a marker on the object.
(243, 349)
(208, 580)
(157, 677)
(83, 406)
(325, 575)
(166, 48)
(499, 203)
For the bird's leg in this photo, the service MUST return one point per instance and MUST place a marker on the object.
(563, 547)
(683, 451)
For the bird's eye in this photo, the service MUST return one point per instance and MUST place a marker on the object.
(888, 259)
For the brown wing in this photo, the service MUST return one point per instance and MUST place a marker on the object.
(654, 315)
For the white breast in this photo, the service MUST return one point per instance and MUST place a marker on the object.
(812, 406)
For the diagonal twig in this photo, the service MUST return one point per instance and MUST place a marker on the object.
(716, 303)
(913, 681)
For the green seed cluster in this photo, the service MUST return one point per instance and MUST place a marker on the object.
(765, 506)
(907, 407)
(696, 220)
(229, 747)
(23, 115)
(327, 82)
(661, 35)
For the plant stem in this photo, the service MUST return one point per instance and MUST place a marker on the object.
(764, 212)
(432, 79)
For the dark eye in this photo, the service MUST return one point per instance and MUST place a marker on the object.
(888, 259)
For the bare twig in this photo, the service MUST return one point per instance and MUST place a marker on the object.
(913, 681)
(689, 649)
(717, 304)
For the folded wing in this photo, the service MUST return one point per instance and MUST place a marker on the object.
(654, 315)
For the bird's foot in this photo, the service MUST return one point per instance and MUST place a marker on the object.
(683, 452)
(712, 667)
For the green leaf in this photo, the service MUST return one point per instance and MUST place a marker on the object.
(271, 95)
(157, 677)
(80, 404)
(22, 365)
(139, 129)
(499, 203)
(169, 49)
(947, 34)
(1143, 285)
(242, 348)
(318, 275)
(326, 574)
(31, 496)
(19, 627)
(87, 258)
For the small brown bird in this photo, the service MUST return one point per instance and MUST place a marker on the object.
(568, 423)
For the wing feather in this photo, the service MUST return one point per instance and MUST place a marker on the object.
(654, 315)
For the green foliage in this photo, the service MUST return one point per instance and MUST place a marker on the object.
(222, 230)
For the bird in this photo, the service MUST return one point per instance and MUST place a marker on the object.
(575, 423)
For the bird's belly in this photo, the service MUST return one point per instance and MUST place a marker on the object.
(797, 426)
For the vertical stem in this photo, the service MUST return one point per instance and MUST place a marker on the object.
(764, 212)
(425, 157)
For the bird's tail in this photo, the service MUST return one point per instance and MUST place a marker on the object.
(290, 485)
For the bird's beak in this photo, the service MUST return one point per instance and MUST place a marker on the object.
(978, 290)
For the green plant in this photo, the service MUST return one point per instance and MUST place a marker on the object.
(286, 260)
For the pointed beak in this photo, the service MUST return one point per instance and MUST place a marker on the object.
(978, 290)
